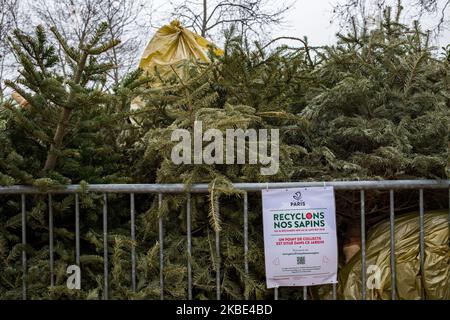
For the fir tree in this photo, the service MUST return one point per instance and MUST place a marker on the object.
(43, 86)
(375, 106)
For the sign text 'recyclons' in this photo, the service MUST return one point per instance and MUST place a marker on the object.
(313, 219)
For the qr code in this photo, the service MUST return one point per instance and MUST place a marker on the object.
(301, 260)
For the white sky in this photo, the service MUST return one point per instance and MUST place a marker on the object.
(312, 18)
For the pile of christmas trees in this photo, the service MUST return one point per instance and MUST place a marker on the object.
(374, 106)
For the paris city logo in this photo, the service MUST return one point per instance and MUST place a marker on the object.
(298, 201)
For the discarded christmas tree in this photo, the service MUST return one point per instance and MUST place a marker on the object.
(375, 106)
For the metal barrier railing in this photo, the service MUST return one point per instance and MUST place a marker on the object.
(161, 189)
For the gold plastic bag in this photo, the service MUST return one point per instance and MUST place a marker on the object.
(171, 46)
(171, 52)
(412, 283)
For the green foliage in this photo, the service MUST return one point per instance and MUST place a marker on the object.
(382, 107)
(376, 105)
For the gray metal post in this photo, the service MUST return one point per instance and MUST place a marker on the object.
(133, 241)
(392, 238)
(422, 241)
(105, 247)
(24, 244)
(218, 258)
(77, 230)
(189, 244)
(50, 236)
(246, 237)
(363, 245)
(161, 247)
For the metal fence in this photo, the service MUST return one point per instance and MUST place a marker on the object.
(161, 189)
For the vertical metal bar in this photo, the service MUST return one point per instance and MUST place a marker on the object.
(133, 241)
(218, 255)
(50, 236)
(334, 291)
(161, 248)
(77, 230)
(422, 240)
(24, 243)
(105, 246)
(305, 293)
(363, 246)
(189, 244)
(275, 293)
(246, 237)
(392, 239)
(246, 233)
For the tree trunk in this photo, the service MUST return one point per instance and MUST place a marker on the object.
(205, 17)
(50, 163)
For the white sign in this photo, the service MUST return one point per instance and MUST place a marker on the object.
(300, 242)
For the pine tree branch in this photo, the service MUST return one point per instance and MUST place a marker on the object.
(52, 156)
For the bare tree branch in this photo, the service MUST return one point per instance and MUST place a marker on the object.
(209, 16)
(366, 12)
(126, 20)
(8, 15)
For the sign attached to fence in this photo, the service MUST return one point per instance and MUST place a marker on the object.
(300, 241)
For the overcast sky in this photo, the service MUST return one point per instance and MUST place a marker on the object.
(313, 19)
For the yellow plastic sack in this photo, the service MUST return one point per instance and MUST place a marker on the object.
(412, 282)
(170, 53)
(171, 46)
